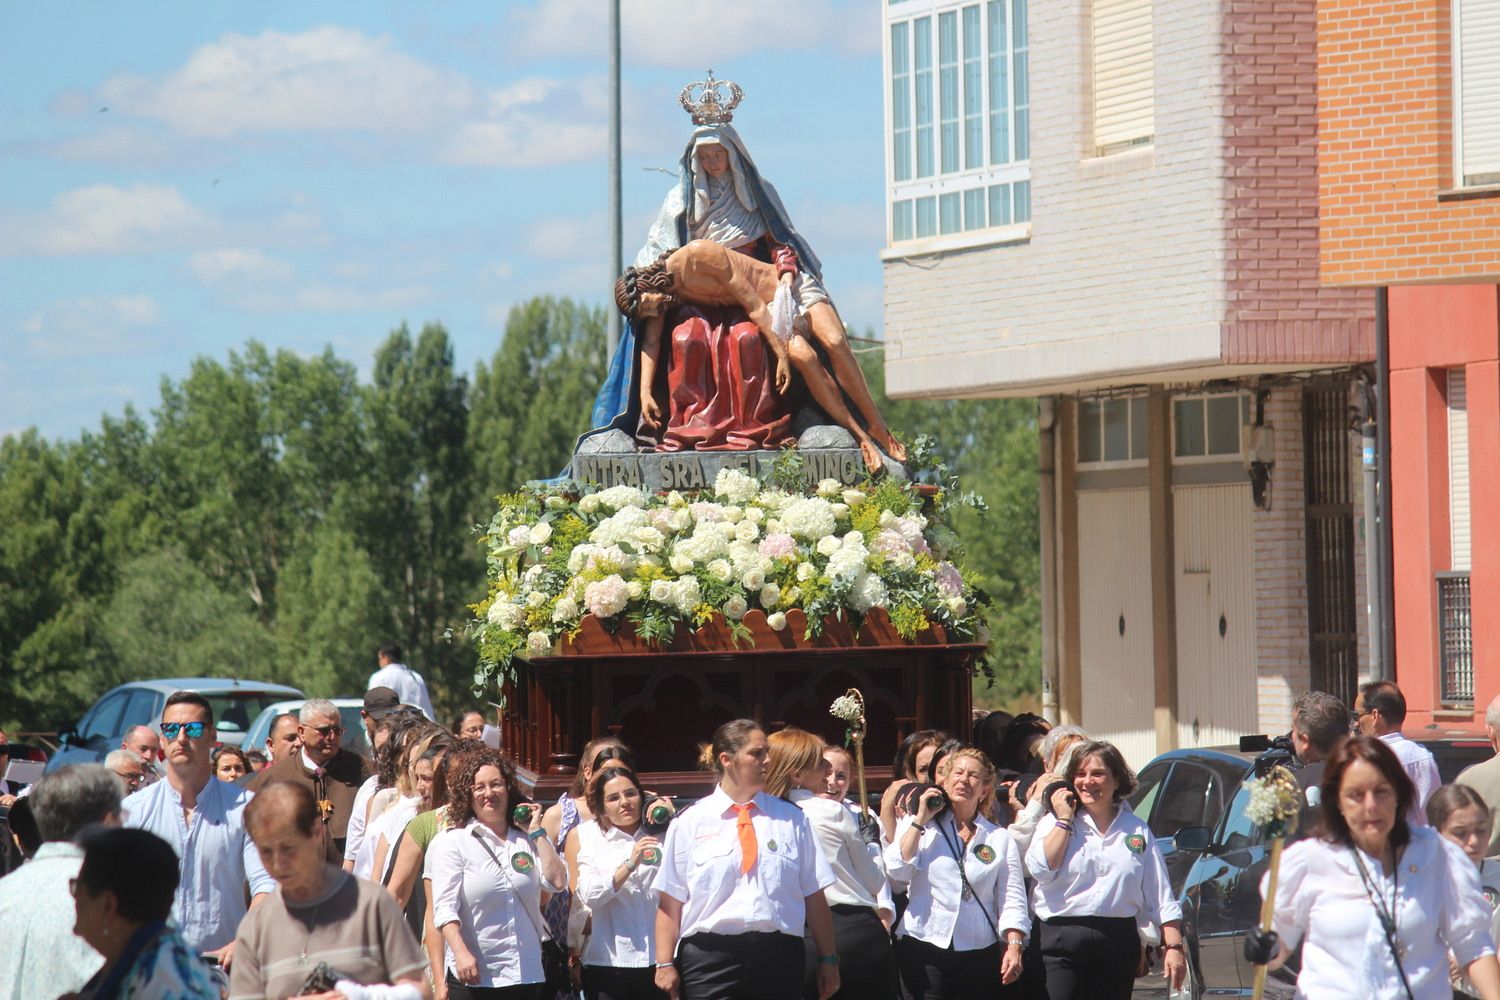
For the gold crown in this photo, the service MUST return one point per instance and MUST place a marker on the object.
(710, 108)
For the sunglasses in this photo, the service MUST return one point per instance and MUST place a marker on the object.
(194, 729)
(326, 731)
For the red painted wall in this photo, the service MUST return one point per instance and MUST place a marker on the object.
(1434, 328)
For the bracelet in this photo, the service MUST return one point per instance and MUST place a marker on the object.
(1015, 942)
(630, 864)
(919, 827)
(1173, 947)
(1065, 824)
(536, 835)
(828, 959)
(664, 965)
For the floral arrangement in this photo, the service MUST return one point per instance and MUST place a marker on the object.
(1275, 802)
(682, 558)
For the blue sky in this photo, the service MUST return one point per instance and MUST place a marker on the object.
(179, 178)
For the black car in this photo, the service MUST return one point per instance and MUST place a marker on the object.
(1194, 802)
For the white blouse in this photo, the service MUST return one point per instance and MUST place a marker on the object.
(1439, 907)
(701, 867)
(858, 876)
(939, 912)
(624, 919)
(497, 907)
(1117, 873)
(1489, 881)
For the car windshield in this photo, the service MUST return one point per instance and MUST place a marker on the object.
(233, 710)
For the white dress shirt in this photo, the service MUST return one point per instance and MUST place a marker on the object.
(938, 912)
(1321, 898)
(1489, 880)
(701, 867)
(1416, 760)
(624, 919)
(355, 835)
(407, 683)
(391, 826)
(857, 876)
(217, 856)
(498, 909)
(1118, 873)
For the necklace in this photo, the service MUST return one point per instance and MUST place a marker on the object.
(311, 925)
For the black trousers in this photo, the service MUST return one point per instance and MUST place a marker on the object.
(759, 966)
(1089, 958)
(932, 973)
(524, 991)
(603, 982)
(867, 965)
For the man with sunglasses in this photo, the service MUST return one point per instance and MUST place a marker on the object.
(332, 773)
(203, 819)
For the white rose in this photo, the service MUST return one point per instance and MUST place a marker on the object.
(589, 504)
(829, 488)
(496, 612)
(682, 519)
(540, 533)
(852, 497)
(720, 570)
(555, 503)
(536, 599)
(681, 562)
(840, 510)
(754, 579)
(635, 589)
(735, 608)
(769, 595)
(754, 515)
(958, 606)
(777, 621)
(854, 538)
(676, 499)
(538, 644)
(733, 514)
(828, 545)
(887, 519)
(566, 609)
(661, 591)
(746, 531)
(806, 571)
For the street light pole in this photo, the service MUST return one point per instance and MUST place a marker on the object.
(612, 330)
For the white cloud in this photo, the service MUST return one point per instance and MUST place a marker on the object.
(105, 219)
(236, 265)
(115, 326)
(119, 145)
(691, 34)
(568, 238)
(532, 123)
(347, 298)
(326, 78)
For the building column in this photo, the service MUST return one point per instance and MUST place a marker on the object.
(1483, 384)
(1163, 567)
(1070, 680)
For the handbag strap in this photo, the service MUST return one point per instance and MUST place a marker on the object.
(1385, 914)
(536, 918)
(963, 876)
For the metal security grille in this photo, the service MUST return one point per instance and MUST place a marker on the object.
(1331, 616)
(1455, 639)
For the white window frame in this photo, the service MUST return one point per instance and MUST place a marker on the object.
(1235, 457)
(1461, 175)
(966, 183)
(1115, 463)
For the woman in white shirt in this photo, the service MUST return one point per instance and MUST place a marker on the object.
(414, 782)
(1376, 903)
(617, 865)
(488, 878)
(965, 926)
(1100, 878)
(1460, 814)
(867, 968)
(741, 878)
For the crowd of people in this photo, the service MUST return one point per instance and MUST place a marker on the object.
(1006, 865)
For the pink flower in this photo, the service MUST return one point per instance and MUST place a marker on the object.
(889, 543)
(607, 597)
(778, 545)
(949, 583)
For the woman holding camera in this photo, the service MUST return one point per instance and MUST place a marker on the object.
(741, 878)
(323, 929)
(916, 755)
(1100, 878)
(618, 859)
(1377, 903)
(488, 878)
(966, 923)
(867, 969)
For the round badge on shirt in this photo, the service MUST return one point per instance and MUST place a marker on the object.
(1492, 896)
(984, 852)
(1136, 843)
(522, 862)
(772, 845)
(651, 856)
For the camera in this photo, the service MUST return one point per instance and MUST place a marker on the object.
(658, 814)
(1271, 751)
(910, 799)
(322, 979)
(1052, 789)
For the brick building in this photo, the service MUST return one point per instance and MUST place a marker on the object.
(1118, 214)
(1409, 156)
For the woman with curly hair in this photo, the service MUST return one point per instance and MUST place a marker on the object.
(488, 879)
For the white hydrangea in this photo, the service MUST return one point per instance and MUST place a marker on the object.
(868, 592)
(704, 510)
(661, 520)
(735, 608)
(829, 488)
(617, 497)
(609, 559)
(607, 597)
(619, 527)
(848, 562)
(809, 517)
(736, 486)
(754, 579)
(827, 545)
(777, 621)
(519, 536)
(774, 499)
(540, 533)
(506, 614)
(686, 594)
(743, 556)
(579, 557)
(565, 610)
(769, 595)
(911, 527)
(720, 570)
(538, 643)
